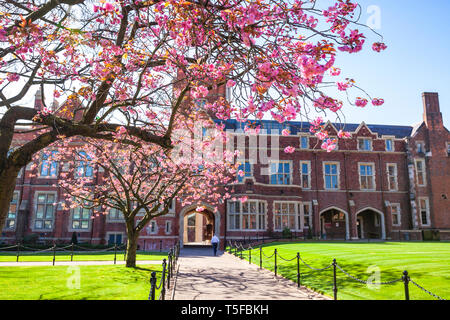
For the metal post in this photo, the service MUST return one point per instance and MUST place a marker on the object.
(334, 280)
(249, 255)
(71, 253)
(169, 273)
(275, 255)
(260, 256)
(160, 245)
(18, 252)
(298, 269)
(54, 253)
(163, 279)
(151, 296)
(406, 282)
(242, 249)
(115, 252)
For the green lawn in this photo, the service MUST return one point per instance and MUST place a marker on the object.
(112, 282)
(78, 256)
(427, 263)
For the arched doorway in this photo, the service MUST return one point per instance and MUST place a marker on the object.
(370, 224)
(334, 224)
(198, 227)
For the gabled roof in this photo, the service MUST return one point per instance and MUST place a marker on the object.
(296, 127)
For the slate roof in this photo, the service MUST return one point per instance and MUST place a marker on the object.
(298, 126)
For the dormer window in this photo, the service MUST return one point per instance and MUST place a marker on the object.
(304, 142)
(365, 144)
(420, 147)
(389, 145)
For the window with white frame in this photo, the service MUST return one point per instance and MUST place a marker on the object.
(152, 228)
(246, 169)
(392, 176)
(81, 218)
(280, 172)
(49, 165)
(45, 211)
(424, 207)
(249, 215)
(83, 167)
(305, 174)
(11, 218)
(364, 144)
(420, 147)
(234, 211)
(395, 213)
(168, 227)
(285, 215)
(420, 172)
(389, 145)
(307, 215)
(448, 148)
(304, 142)
(367, 176)
(114, 215)
(331, 175)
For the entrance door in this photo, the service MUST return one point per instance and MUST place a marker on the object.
(360, 228)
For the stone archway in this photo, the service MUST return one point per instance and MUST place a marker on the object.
(334, 223)
(210, 215)
(371, 224)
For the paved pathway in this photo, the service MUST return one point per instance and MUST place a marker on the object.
(71, 263)
(203, 276)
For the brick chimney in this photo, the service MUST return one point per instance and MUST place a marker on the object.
(38, 105)
(431, 111)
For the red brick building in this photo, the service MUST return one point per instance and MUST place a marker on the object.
(385, 182)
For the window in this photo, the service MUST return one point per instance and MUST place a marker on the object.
(304, 142)
(367, 176)
(420, 172)
(246, 169)
(168, 226)
(285, 215)
(307, 215)
(448, 148)
(81, 218)
(395, 213)
(392, 176)
(234, 211)
(365, 144)
(280, 173)
(389, 145)
(424, 211)
(200, 104)
(48, 165)
(249, 215)
(114, 238)
(152, 228)
(114, 215)
(83, 168)
(331, 175)
(305, 174)
(12, 213)
(420, 147)
(45, 210)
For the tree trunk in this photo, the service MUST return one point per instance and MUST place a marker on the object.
(8, 179)
(132, 248)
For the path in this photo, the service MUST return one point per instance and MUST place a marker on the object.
(71, 263)
(203, 276)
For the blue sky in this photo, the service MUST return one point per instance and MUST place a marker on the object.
(417, 60)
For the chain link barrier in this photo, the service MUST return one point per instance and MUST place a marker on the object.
(405, 279)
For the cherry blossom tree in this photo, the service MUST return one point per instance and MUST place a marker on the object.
(123, 63)
(141, 180)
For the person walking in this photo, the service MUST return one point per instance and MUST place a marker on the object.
(215, 243)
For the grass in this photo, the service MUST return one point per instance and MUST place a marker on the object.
(78, 256)
(426, 262)
(112, 282)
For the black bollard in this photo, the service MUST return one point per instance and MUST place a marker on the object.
(298, 269)
(71, 253)
(275, 255)
(54, 253)
(18, 252)
(406, 283)
(115, 253)
(334, 280)
(151, 295)
(260, 257)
